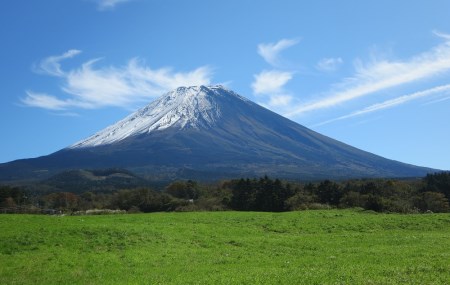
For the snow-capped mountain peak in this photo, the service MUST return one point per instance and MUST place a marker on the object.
(212, 133)
(185, 107)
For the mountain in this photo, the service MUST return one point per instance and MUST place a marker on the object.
(209, 133)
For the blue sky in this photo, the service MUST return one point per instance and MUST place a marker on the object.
(373, 74)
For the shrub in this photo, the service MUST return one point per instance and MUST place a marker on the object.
(432, 201)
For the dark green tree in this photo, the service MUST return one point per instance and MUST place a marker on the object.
(329, 193)
(438, 182)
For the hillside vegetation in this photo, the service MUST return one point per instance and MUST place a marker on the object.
(78, 191)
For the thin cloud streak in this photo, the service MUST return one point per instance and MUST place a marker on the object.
(91, 87)
(442, 35)
(271, 52)
(390, 103)
(329, 64)
(437, 101)
(45, 101)
(51, 65)
(383, 74)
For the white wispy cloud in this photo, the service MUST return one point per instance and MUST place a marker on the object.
(45, 101)
(329, 64)
(442, 35)
(89, 86)
(51, 65)
(444, 89)
(270, 52)
(109, 4)
(279, 100)
(270, 83)
(127, 85)
(382, 74)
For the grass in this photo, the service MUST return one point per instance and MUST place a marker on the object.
(309, 247)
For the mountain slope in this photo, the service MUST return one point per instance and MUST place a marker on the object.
(212, 132)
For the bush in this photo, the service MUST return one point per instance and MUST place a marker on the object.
(300, 201)
(432, 201)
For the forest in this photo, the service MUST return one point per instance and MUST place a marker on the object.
(428, 194)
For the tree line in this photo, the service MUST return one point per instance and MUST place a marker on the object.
(432, 193)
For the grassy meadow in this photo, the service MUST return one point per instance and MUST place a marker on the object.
(307, 247)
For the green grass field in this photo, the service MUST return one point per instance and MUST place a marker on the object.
(309, 247)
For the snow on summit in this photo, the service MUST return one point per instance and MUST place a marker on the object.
(184, 107)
